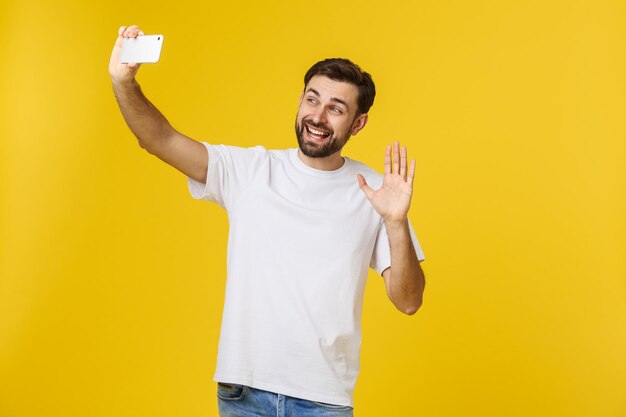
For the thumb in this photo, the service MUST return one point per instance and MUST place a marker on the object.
(132, 68)
(369, 193)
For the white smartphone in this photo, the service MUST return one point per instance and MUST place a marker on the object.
(144, 49)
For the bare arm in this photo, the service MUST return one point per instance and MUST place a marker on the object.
(404, 280)
(154, 132)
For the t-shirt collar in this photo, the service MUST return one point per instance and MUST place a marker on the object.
(301, 166)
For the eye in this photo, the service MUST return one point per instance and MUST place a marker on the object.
(311, 100)
(336, 110)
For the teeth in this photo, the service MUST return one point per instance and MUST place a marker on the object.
(316, 132)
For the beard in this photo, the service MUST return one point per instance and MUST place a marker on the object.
(319, 150)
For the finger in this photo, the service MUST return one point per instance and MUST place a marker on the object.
(126, 31)
(369, 193)
(409, 180)
(396, 157)
(131, 31)
(388, 159)
(120, 37)
(403, 162)
(141, 33)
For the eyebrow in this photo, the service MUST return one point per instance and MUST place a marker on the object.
(334, 99)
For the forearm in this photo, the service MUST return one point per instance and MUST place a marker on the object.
(406, 281)
(145, 121)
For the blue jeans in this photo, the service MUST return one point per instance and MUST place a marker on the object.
(243, 401)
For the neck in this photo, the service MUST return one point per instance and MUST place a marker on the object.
(329, 163)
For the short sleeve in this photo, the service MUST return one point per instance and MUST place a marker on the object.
(230, 170)
(381, 257)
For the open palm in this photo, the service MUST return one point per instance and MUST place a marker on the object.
(393, 199)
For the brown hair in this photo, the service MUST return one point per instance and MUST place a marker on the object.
(341, 69)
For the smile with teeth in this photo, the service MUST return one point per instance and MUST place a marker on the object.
(316, 133)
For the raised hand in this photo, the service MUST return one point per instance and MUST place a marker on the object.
(123, 72)
(393, 199)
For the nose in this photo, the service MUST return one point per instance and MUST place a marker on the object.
(319, 115)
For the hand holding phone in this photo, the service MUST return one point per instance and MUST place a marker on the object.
(125, 72)
(143, 49)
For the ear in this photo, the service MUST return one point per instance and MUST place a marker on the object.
(358, 124)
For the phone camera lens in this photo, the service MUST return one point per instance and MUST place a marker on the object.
(159, 38)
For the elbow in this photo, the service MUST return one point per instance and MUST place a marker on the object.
(411, 309)
(409, 300)
(412, 306)
(153, 147)
(149, 146)
(155, 142)
(143, 145)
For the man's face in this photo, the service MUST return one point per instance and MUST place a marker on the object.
(327, 116)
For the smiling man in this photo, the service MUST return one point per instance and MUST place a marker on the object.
(317, 140)
(305, 227)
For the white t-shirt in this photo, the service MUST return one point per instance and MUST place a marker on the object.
(300, 244)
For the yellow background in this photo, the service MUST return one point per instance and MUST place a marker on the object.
(112, 277)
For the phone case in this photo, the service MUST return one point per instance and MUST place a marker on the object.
(142, 49)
